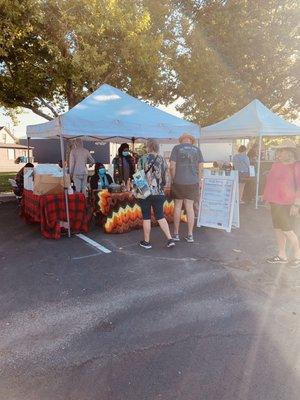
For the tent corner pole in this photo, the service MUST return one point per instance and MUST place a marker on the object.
(258, 172)
(199, 136)
(28, 149)
(62, 151)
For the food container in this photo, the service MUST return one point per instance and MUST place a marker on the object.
(114, 188)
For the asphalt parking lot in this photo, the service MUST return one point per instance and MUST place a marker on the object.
(203, 321)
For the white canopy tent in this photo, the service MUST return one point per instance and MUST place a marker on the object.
(109, 114)
(254, 120)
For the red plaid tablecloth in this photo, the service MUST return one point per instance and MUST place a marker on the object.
(50, 210)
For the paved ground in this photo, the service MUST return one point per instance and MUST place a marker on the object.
(203, 321)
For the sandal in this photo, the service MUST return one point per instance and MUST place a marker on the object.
(277, 260)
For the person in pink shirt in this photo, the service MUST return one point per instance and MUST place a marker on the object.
(282, 192)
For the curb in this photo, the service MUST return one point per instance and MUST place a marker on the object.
(6, 197)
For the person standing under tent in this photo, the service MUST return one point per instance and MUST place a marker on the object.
(79, 158)
(155, 168)
(282, 192)
(123, 165)
(241, 163)
(186, 165)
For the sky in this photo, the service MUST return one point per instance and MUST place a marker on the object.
(27, 117)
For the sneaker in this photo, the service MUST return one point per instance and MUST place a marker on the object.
(145, 244)
(189, 238)
(295, 263)
(277, 260)
(170, 243)
(176, 237)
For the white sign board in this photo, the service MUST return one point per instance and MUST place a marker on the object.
(219, 201)
(28, 178)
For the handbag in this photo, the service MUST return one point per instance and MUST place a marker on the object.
(141, 189)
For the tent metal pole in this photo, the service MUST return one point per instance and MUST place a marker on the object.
(28, 149)
(198, 139)
(258, 172)
(62, 150)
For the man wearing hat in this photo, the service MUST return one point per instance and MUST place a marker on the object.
(186, 163)
(282, 192)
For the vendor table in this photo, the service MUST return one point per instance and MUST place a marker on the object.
(120, 212)
(50, 212)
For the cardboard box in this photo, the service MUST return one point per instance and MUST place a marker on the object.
(49, 184)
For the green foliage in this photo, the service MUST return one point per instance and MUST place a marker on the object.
(236, 51)
(4, 184)
(217, 55)
(54, 53)
(13, 114)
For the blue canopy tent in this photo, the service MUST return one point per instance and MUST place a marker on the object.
(111, 115)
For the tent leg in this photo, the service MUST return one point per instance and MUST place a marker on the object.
(198, 138)
(62, 150)
(28, 149)
(258, 172)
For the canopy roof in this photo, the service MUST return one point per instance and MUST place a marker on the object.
(253, 120)
(108, 114)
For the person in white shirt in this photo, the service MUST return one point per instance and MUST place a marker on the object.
(79, 158)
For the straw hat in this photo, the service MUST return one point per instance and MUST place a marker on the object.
(187, 135)
(286, 144)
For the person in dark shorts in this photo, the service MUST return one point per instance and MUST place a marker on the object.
(282, 192)
(186, 164)
(155, 168)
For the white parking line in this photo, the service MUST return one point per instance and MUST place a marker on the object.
(93, 243)
(88, 256)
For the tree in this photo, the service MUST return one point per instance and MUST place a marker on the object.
(217, 55)
(235, 51)
(53, 53)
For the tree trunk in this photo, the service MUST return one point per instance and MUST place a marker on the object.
(71, 97)
(37, 111)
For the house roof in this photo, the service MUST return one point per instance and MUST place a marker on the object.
(9, 132)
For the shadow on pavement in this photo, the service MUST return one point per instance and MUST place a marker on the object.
(196, 323)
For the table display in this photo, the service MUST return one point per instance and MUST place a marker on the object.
(50, 212)
(120, 212)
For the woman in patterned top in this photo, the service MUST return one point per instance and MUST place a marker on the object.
(155, 168)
